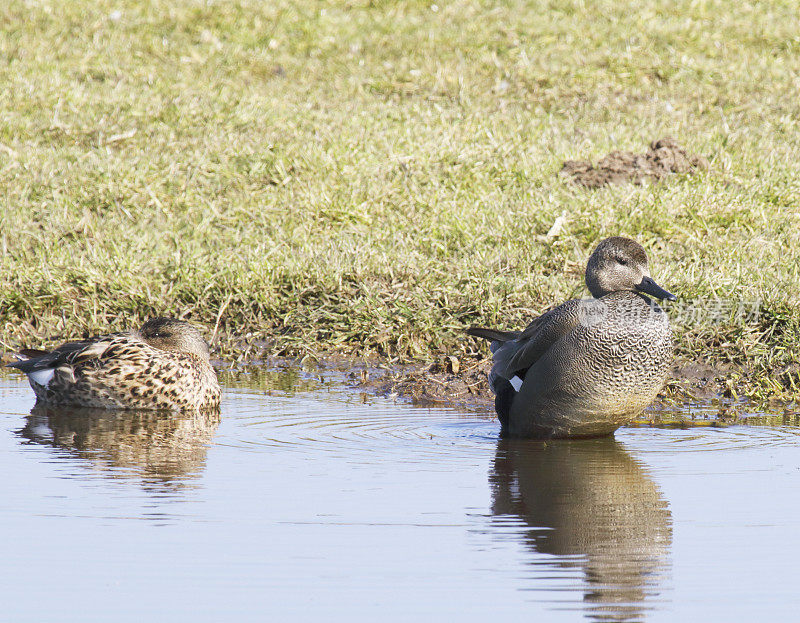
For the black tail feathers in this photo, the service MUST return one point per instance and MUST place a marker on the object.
(493, 335)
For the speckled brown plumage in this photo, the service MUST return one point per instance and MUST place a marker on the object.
(164, 365)
(589, 365)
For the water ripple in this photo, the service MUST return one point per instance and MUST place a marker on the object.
(708, 439)
(332, 423)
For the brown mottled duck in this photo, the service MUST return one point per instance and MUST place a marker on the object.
(163, 365)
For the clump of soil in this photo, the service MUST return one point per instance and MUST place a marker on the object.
(665, 157)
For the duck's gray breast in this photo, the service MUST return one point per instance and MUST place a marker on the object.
(622, 355)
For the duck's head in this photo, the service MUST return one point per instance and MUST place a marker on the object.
(175, 336)
(620, 264)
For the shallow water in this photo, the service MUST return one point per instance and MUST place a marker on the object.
(311, 501)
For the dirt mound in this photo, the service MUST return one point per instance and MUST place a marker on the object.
(664, 158)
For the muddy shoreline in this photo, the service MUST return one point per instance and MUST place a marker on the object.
(694, 394)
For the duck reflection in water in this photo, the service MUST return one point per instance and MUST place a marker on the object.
(590, 505)
(163, 449)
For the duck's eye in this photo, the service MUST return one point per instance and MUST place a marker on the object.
(622, 261)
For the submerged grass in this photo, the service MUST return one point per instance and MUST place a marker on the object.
(372, 177)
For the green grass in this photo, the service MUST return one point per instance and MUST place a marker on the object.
(371, 177)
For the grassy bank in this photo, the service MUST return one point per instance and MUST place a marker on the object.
(372, 177)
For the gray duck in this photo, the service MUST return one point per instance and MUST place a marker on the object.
(588, 366)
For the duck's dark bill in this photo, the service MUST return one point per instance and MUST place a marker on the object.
(648, 286)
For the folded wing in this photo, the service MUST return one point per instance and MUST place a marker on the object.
(515, 352)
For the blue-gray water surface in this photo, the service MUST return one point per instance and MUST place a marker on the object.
(309, 501)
